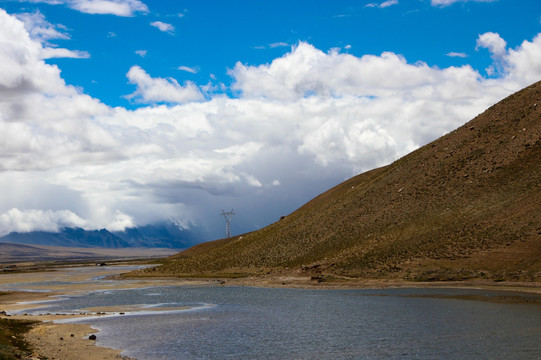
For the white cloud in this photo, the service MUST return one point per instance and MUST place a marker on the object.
(50, 53)
(40, 29)
(457, 54)
(112, 7)
(294, 75)
(522, 65)
(279, 44)
(443, 3)
(22, 70)
(275, 45)
(308, 117)
(188, 69)
(163, 26)
(43, 31)
(388, 3)
(15, 220)
(494, 43)
(518, 66)
(103, 7)
(383, 4)
(155, 90)
(120, 222)
(141, 53)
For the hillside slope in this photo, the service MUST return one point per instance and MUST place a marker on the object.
(467, 205)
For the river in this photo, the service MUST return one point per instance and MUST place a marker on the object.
(220, 322)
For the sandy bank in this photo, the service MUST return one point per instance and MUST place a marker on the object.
(68, 342)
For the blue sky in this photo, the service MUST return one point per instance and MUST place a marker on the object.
(210, 37)
(137, 111)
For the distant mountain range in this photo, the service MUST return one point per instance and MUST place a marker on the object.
(28, 255)
(161, 235)
(466, 206)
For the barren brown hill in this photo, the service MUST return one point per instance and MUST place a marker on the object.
(467, 205)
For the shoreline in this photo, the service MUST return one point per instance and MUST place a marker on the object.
(66, 341)
(19, 292)
(69, 341)
(298, 282)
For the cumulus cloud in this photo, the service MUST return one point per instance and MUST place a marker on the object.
(497, 48)
(41, 118)
(156, 90)
(103, 7)
(23, 71)
(494, 43)
(307, 117)
(307, 71)
(163, 26)
(518, 65)
(522, 65)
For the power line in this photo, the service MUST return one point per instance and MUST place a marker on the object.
(227, 216)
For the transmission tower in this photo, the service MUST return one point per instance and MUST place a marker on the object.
(227, 216)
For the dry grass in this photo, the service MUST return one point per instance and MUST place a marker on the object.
(12, 343)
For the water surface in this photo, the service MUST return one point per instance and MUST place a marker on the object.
(261, 323)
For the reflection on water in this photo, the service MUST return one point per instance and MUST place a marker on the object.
(254, 323)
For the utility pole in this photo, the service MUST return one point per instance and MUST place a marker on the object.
(227, 216)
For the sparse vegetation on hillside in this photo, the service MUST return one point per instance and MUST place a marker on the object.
(12, 343)
(467, 205)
